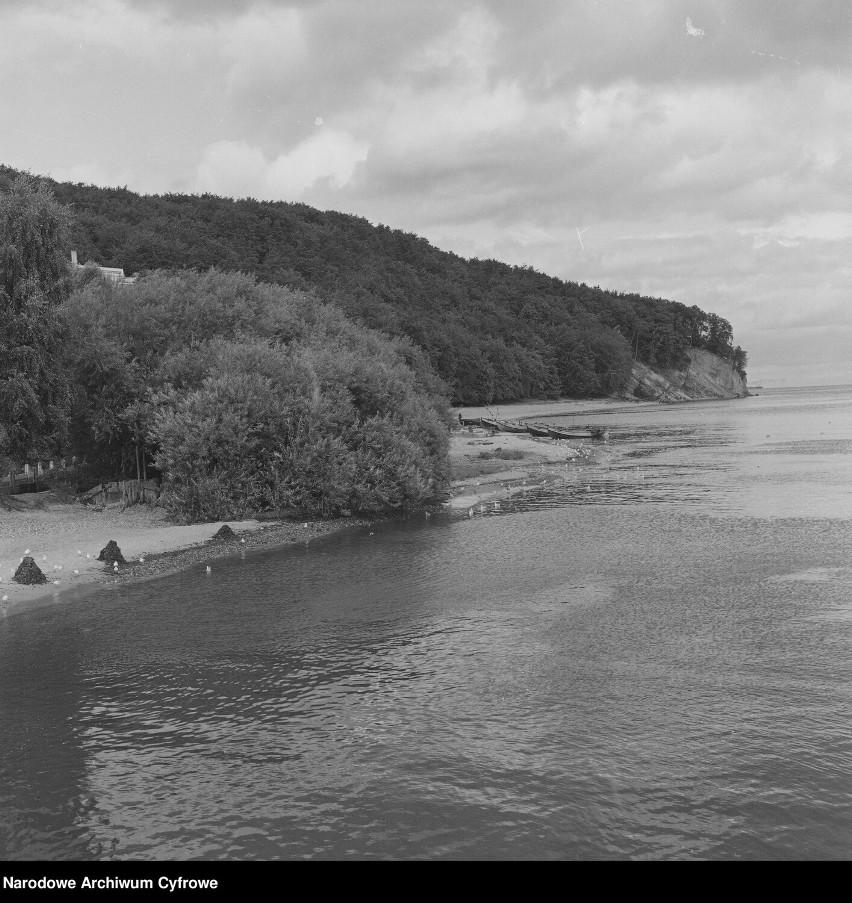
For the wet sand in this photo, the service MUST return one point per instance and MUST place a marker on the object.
(516, 462)
(586, 410)
(64, 538)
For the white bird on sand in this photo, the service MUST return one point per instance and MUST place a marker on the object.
(79, 552)
(26, 551)
(56, 583)
(76, 571)
(141, 561)
(88, 555)
(242, 540)
(209, 569)
(304, 525)
(44, 557)
(5, 598)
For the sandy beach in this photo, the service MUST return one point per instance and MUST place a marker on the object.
(64, 538)
(586, 410)
(487, 467)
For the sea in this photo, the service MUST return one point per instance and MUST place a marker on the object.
(647, 657)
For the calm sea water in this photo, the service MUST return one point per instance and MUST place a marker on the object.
(648, 659)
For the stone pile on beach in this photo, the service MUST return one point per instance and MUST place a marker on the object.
(224, 532)
(29, 573)
(111, 553)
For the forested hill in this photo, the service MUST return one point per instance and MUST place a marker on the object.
(493, 332)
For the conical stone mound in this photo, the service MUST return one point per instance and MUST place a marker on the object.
(111, 552)
(29, 572)
(224, 532)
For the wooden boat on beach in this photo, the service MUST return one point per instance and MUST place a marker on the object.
(488, 424)
(574, 433)
(505, 427)
(540, 431)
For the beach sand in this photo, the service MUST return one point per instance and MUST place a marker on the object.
(63, 537)
(585, 410)
(477, 479)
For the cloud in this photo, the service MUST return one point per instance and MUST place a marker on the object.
(708, 142)
(238, 169)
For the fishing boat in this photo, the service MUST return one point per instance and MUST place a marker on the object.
(505, 427)
(574, 433)
(540, 431)
(488, 424)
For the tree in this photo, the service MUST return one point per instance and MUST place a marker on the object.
(34, 281)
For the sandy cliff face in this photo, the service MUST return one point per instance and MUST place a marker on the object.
(705, 376)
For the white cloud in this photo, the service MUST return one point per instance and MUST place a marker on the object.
(238, 169)
(715, 171)
(268, 44)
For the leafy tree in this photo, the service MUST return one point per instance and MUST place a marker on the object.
(461, 313)
(250, 397)
(34, 282)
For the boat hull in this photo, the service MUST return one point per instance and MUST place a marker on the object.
(576, 434)
(539, 431)
(510, 427)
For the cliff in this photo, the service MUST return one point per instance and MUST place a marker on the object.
(705, 376)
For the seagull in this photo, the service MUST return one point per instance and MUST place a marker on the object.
(5, 598)
(56, 583)
(76, 571)
(88, 555)
(242, 540)
(44, 557)
(79, 552)
(26, 551)
(209, 569)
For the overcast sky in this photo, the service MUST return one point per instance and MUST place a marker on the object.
(697, 150)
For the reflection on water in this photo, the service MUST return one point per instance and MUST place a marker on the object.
(648, 659)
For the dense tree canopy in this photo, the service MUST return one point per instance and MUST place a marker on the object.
(493, 332)
(275, 356)
(250, 397)
(34, 282)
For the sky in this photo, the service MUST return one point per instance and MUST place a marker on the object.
(695, 150)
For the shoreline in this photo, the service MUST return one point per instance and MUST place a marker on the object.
(63, 536)
(65, 533)
(564, 407)
(516, 462)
